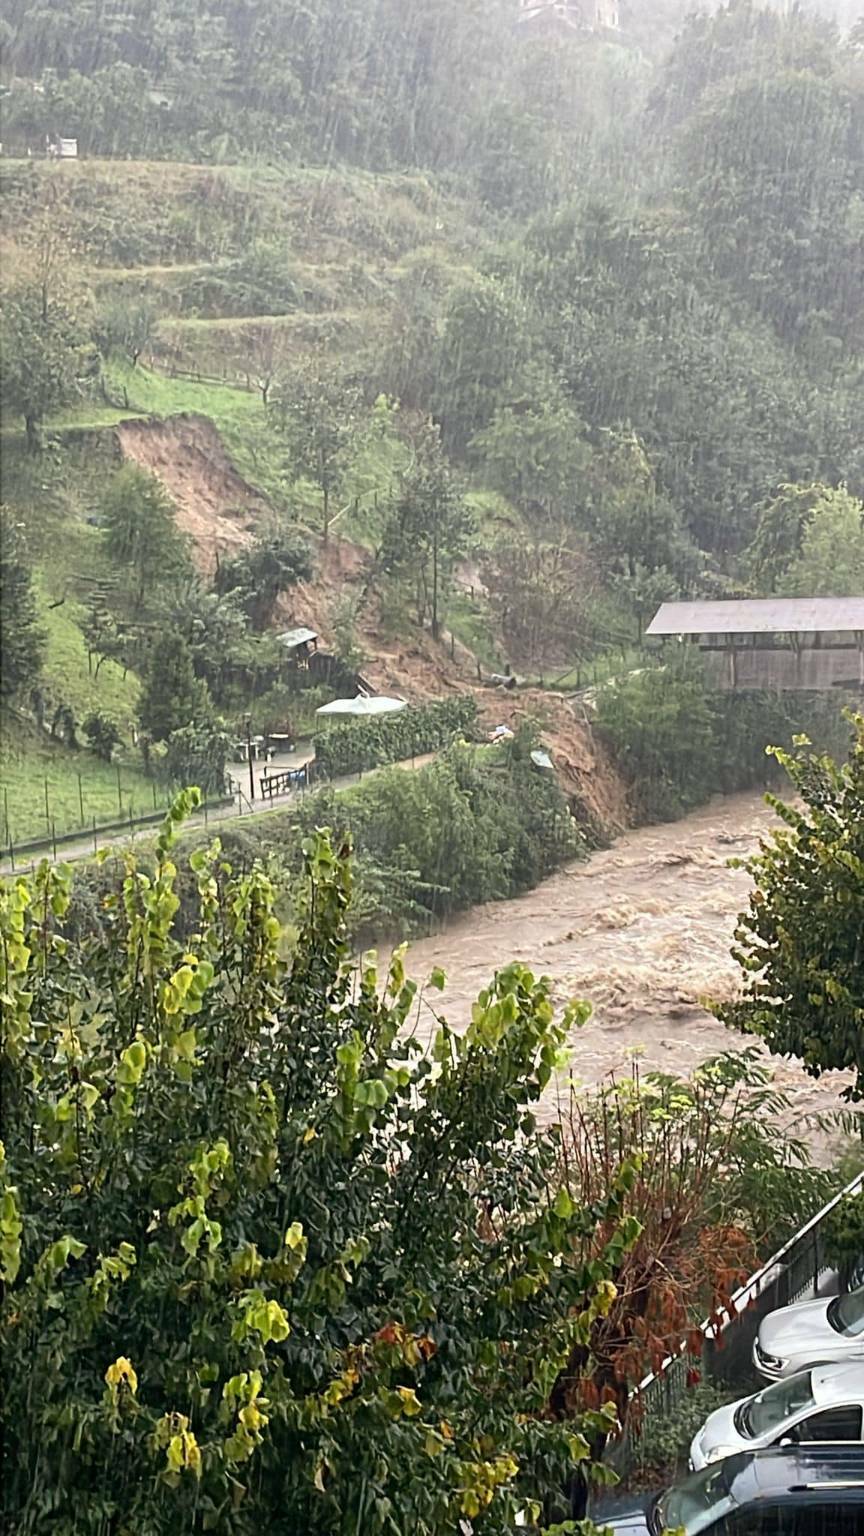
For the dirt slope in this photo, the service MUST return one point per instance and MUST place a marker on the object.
(416, 667)
(216, 507)
(218, 510)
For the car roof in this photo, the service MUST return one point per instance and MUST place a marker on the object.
(778, 1470)
(837, 1383)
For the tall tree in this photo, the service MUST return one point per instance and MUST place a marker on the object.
(779, 530)
(140, 532)
(541, 588)
(428, 524)
(830, 561)
(172, 697)
(125, 325)
(534, 450)
(21, 640)
(319, 411)
(257, 576)
(43, 357)
(801, 941)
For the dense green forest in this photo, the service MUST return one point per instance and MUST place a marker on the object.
(667, 247)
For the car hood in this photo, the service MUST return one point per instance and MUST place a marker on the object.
(795, 1329)
(631, 1522)
(718, 1430)
(625, 1514)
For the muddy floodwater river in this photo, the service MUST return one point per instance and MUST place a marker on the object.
(641, 930)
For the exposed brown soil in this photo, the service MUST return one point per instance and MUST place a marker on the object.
(581, 762)
(216, 507)
(218, 510)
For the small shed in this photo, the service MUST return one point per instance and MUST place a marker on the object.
(61, 149)
(794, 643)
(299, 644)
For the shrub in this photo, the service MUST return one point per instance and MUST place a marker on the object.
(102, 735)
(843, 1232)
(361, 744)
(263, 1268)
(197, 754)
(478, 824)
(677, 743)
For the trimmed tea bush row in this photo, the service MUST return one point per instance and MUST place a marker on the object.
(361, 744)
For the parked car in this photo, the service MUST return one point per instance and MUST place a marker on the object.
(811, 1333)
(791, 1490)
(824, 1404)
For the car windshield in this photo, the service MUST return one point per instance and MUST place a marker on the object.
(769, 1410)
(846, 1313)
(696, 1502)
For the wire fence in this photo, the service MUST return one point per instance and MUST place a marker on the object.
(47, 824)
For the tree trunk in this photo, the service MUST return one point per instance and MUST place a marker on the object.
(324, 482)
(31, 427)
(435, 628)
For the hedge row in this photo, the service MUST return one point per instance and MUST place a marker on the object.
(360, 744)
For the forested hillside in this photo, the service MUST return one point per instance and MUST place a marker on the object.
(544, 324)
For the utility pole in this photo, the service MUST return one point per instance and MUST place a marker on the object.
(249, 755)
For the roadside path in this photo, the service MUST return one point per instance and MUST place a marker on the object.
(242, 811)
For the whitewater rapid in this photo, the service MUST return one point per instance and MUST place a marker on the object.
(643, 932)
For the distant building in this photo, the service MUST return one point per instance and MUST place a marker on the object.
(777, 643)
(61, 149)
(568, 16)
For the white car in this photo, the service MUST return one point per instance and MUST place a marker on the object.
(822, 1404)
(811, 1333)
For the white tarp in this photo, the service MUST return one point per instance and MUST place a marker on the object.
(363, 707)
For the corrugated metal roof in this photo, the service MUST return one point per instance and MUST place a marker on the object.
(291, 638)
(760, 615)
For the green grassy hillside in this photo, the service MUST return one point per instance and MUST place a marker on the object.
(229, 253)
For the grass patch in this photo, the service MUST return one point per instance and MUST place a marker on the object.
(35, 769)
(67, 677)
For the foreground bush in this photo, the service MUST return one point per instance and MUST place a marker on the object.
(265, 1268)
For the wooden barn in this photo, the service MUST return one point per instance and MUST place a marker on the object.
(783, 643)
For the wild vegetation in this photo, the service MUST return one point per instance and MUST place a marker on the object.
(447, 1337)
(594, 358)
(464, 342)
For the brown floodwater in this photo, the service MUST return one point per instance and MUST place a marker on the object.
(641, 930)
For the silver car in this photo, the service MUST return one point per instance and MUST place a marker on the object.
(811, 1333)
(819, 1405)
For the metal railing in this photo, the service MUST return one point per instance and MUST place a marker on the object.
(796, 1271)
